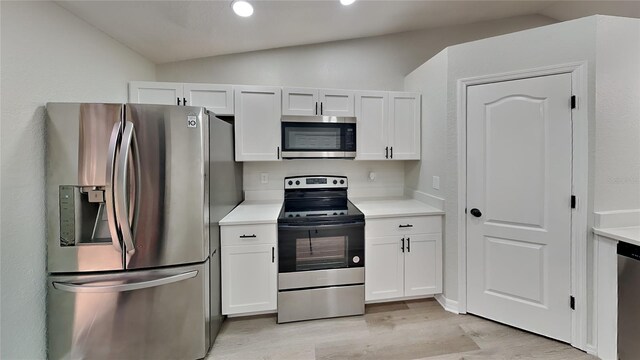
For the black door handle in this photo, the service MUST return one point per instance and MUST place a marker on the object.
(391, 152)
(184, 101)
(316, 108)
(178, 101)
(475, 212)
(321, 112)
(402, 246)
(273, 255)
(408, 244)
(386, 152)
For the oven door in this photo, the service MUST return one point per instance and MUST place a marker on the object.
(320, 247)
(318, 140)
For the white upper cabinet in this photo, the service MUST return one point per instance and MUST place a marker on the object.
(310, 102)
(300, 102)
(258, 110)
(336, 102)
(404, 126)
(372, 113)
(388, 125)
(160, 93)
(216, 98)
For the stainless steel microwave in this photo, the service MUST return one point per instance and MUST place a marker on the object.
(321, 137)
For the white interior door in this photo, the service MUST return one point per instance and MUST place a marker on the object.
(519, 181)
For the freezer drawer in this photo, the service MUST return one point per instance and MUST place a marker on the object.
(149, 314)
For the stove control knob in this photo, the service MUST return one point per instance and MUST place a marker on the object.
(341, 182)
(341, 213)
(297, 215)
(290, 182)
(290, 215)
(335, 213)
(297, 182)
(356, 259)
(335, 182)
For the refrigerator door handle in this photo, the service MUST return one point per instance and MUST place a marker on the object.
(137, 285)
(109, 201)
(125, 219)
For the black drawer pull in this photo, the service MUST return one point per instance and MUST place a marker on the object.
(405, 226)
(247, 236)
(408, 244)
(273, 254)
(402, 246)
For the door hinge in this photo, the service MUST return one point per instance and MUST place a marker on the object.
(572, 302)
(574, 101)
(573, 201)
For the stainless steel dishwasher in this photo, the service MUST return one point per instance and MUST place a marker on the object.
(628, 301)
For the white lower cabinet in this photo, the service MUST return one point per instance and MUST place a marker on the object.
(249, 270)
(401, 263)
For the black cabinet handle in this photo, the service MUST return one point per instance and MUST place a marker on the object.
(391, 156)
(405, 226)
(386, 152)
(321, 112)
(475, 212)
(184, 101)
(402, 246)
(273, 254)
(248, 236)
(178, 101)
(408, 244)
(316, 108)
(278, 152)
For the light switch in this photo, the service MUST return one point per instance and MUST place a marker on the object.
(436, 182)
(264, 178)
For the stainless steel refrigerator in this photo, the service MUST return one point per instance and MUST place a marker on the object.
(134, 195)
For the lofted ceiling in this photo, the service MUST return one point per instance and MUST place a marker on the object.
(165, 31)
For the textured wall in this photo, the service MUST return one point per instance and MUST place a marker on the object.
(47, 55)
(378, 63)
(617, 143)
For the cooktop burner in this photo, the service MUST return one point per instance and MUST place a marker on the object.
(313, 200)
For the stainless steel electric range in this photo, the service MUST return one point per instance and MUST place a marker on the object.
(320, 250)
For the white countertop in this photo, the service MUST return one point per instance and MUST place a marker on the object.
(392, 207)
(629, 234)
(254, 212)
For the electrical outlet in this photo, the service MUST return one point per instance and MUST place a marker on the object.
(436, 182)
(264, 178)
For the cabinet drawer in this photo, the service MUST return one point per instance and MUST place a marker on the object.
(248, 234)
(403, 225)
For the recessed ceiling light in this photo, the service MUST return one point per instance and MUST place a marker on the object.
(242, 8)
(347, 2)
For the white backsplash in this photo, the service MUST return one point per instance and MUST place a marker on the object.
(389, 176)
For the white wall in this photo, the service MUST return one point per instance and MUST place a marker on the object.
(389, 179)
(430, 79)
(378, 63)
(617, 127)
(613, 107)
(47, 55)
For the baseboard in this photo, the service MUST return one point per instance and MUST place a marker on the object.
(614, 219)
(591, 350)
(447, 304)
(428, 199)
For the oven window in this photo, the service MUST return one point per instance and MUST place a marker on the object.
(316, 253)
(312, 138)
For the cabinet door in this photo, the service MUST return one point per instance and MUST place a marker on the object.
(249, 279)
(300, 101)
(159, 93)
(384, 271)
(404, 126)
(216, 98)
(372, 113)
(336, 103)
(422, 264)
(257, 123)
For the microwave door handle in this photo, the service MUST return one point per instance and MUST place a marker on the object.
(121, 191)
(134, 285)
(109, 188)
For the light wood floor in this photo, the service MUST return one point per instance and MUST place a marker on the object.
(398, 331)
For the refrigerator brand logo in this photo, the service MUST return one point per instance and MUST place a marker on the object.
(192, 121)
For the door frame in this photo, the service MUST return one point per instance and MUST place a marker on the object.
(579, 185)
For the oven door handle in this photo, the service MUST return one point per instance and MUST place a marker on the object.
(313, 227)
